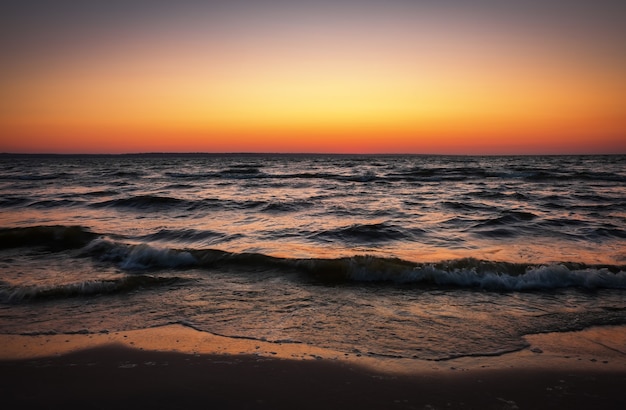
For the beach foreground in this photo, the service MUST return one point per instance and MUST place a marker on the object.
(178, 367)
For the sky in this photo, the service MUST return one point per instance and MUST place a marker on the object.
(345, 76)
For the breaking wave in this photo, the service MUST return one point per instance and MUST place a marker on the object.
(138, 257)
(468, 273)
(463, 273)
(16, 294)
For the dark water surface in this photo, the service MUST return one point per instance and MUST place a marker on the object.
(411, 256)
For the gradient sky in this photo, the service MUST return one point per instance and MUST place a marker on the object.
(395, 76)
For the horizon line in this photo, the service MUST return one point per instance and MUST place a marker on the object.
(261, 153)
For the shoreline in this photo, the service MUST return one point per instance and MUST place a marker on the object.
(178, 367)
(584, 349)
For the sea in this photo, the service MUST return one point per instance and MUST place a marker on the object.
(400, 256)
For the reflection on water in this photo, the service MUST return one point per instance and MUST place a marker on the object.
(439, 256)
(414, 208)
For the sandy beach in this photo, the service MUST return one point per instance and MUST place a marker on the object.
(178, 367)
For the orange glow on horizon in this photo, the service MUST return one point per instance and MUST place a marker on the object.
(402, 88)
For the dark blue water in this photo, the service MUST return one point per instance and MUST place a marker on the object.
(411, 256)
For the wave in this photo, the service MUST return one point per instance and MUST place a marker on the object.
(463, 273)
(100, 193)
(471, 273)
(8, 202)
(54, 238)
(364, 233)
(160, 203)
(465, 206)
(510, 277)
(192, 175)
(123, 174)
(189, 235)
(42, 177)
(410, 174)
(607, 231)
(287, 206)
(138, 257)
(551, 175)
(50, 203)
(125, 284)
(241, 171)
(143, 202)
(507, 218)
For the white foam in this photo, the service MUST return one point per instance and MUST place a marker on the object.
(141, 256)
(541, 277)
(145, 256)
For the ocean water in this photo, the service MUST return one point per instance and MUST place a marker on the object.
(428, 257)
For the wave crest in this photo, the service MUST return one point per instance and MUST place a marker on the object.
(55, 237)
(125, 284)
(464, 273)
(364, 233)
(543, 277)
(143, 202)
(138, 257)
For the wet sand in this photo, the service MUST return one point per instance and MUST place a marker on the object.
(144, 368)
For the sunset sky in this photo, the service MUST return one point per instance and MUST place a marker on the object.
(395, 76)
